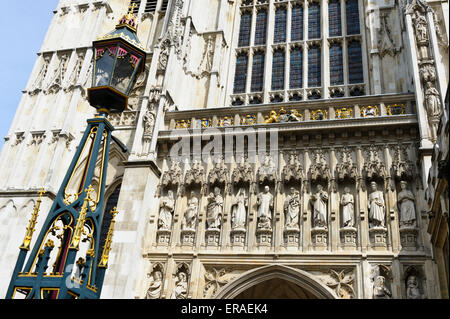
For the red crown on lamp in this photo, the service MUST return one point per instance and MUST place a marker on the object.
(129, 20)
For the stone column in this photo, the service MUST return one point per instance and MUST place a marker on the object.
(440, 72)
(136, 200)
(325, 49)
(425, 142)
(334, 222)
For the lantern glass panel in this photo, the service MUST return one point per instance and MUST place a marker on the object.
(123, 70)
(103, 67)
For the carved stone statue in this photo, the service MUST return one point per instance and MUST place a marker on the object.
(190, 215)
(265, 206)
(412, 288)
(166, 211)
(433, 102)
(239, 210)
(347, 202)
(154, 290)
(379, 289)
(421, 29)
(180, 290)
(292, 209)
(148, 122)
(320, 199)
(376, 206)
(214, 209)
(406, 205)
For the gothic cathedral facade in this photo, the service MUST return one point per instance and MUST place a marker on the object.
(269, 143)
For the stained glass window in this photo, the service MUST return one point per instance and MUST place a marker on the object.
(314, 69)
(257, 72)
(314, 21)
(352, 13)
(355, 67)
(278, 70)
(296, 68)
(336, 67)
(334, 18)
(244, 30)
(280, 25)
(261, 27)
(240, 75)
(297, 23)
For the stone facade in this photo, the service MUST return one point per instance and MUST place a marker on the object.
(321, 188)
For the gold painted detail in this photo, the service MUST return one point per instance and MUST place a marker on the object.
(226, 121)
(106, 249)
(319, 114)
(183, 124)
(248, 120)
(344, 113)
(395, 109)
(283, 116)
(32, 222)
(204, 123)
(370, 111)
(79, 228)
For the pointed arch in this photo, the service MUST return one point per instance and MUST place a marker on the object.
(256, 276)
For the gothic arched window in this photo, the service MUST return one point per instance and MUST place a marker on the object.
(257, 72)
(352, 13)
(244, 31)
(314, 21)
(314, 69)
(110, 204)
(297, 23)
(261, 27)
(240, 76)
(280, 25)
(355, 67)
(334, 18)
(278, 70)
(336, 67)
(296, 68)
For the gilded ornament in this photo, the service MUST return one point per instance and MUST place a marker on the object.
(370, 111)
(319, 114)
(395, 109)
(344, 113)
(183, 124)
(32, 222)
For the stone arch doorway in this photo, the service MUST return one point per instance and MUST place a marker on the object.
(273, 282)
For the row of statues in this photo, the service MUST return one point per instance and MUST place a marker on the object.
(380, 289)
(292, 204)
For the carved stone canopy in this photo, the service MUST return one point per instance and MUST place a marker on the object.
(319, 169)
(402, 168)
(268, 171)
(373, 167)
(195, 175)
(243, 172)
(218, 173)
(173, 176)
(346, 168)
(293, 170)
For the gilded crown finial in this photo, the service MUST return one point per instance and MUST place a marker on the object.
(129, 19)
(131, 8)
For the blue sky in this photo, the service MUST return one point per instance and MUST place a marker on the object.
(24, 24)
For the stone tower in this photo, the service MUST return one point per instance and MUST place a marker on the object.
(269, 143)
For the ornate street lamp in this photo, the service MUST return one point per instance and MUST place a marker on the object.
(79, 262)
(118, 58)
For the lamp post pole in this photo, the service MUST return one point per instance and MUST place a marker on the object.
(75, 218)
